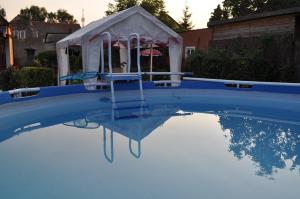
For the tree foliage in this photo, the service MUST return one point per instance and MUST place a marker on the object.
(238, 8)
(155, 7)
(219, 14)
(52, 17)
(36, 13)
(63, 16)
(2, 12)
(259, 140)
(120, 5)
(186, 22)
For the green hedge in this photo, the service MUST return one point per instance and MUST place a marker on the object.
(26, 77)
(259, 62)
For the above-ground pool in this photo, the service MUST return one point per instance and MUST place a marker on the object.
(189, 142)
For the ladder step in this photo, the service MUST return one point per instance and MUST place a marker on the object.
(131, 116)
(130, 107)
(127, 101)
(119, 77)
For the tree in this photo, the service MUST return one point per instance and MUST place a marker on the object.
(51, 17)
(34, 13)
(155, 7)
(169, 21)
(2, 12)
(120, 5)
(63, 16)
(186, 23)
(238, 8)
(279, 4)
(219, 14)
(158, 9)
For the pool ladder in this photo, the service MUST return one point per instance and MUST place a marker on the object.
(119, 106)
(108, 145)
(129, 76)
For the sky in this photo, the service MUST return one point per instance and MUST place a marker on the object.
(94, 9)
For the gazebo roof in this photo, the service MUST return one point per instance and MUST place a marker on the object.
(122, 24)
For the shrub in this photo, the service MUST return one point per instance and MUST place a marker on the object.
(26, 77)
(47, 58)
(255, 61)
(10, 79)
(37, 76)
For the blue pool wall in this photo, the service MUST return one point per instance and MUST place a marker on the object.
(5, 97)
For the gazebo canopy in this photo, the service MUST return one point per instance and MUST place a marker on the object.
(120, 26)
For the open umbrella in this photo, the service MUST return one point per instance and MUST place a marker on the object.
(152, 53)
(147, 53)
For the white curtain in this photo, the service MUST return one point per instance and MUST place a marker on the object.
(175, 52)
(123, 56)
(91, 60)
(63, 63)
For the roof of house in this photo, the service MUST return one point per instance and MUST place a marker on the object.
(196, 30)
(289, 11)
(56, 27)
(48, 24)
(3, 21)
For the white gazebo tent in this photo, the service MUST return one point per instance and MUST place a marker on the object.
(120, 25)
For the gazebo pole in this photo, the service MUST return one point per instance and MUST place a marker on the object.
(151, 61)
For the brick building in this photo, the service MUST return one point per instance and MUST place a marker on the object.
(31, 38)
(196, 40)
(6, 45)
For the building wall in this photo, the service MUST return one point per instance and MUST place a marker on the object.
(31, 35)
(196, 39)
(253, 28)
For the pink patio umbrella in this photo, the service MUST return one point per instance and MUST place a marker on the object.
(147, 53)
(152, 53)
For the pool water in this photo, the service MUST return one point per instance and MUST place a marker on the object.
(181, 144)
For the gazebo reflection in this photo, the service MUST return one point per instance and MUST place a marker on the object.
(132, 125)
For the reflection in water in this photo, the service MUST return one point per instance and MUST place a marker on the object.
(135, 124)
(109, 158)
(269, 143)
(270, 138)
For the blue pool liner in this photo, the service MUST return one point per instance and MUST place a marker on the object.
(5, 97)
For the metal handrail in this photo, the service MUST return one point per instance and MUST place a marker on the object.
(111, 158)
(137, 36)
(242, 82)
(139, 153)
(23, 90)
(108, 36)
(168, 73)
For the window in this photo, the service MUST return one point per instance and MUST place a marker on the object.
(16, 34)
(22, 34)
(189, 50)
(35, 34)
(19, 34)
